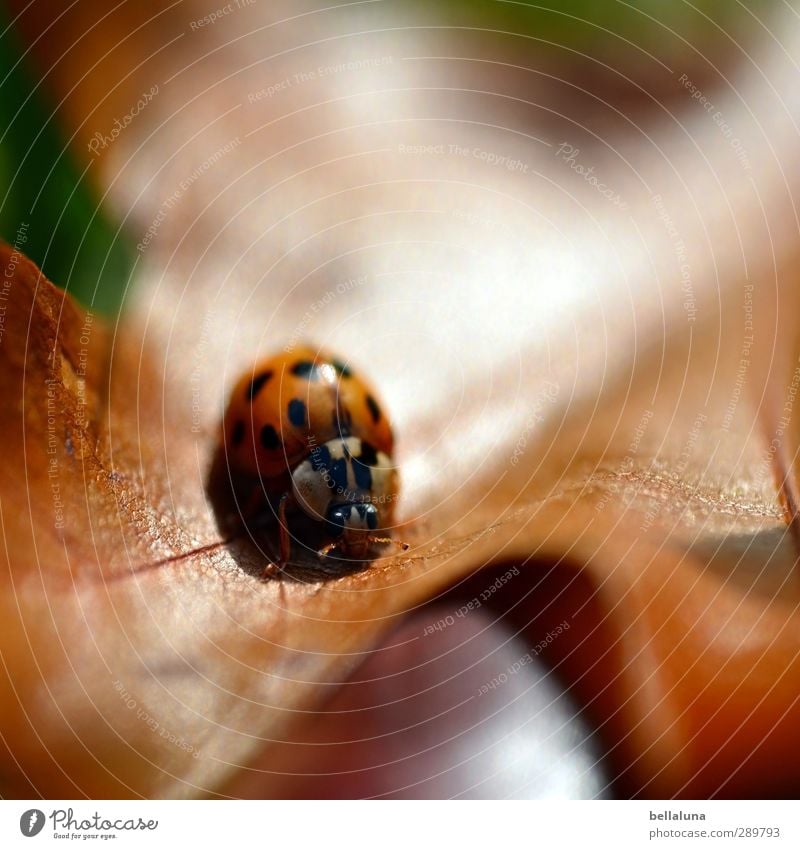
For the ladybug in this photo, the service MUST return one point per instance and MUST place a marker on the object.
(301, 427)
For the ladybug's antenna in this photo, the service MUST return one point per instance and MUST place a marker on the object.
(332, 546)
(388, 540)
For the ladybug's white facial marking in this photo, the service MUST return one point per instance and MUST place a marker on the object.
(311, 491)
(352, 517)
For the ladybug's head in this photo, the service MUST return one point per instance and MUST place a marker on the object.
(351, 526)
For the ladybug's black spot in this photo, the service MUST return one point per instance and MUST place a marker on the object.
(362, 474)
(237, 434)
(343, 422)
(368, 456)
(297, 412)
(256, 385)
(338, 476)
(341, 368)
(374, 409)
(306, 369)
(269, 438)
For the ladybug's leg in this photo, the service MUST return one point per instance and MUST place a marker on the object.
(327, 549)
(285, 538)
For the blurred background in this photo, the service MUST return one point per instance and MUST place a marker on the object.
(614, 59)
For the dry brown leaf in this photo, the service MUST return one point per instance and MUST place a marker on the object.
(560, 402)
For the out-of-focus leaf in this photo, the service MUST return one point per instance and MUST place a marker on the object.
(566, 399)
(48, 203)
